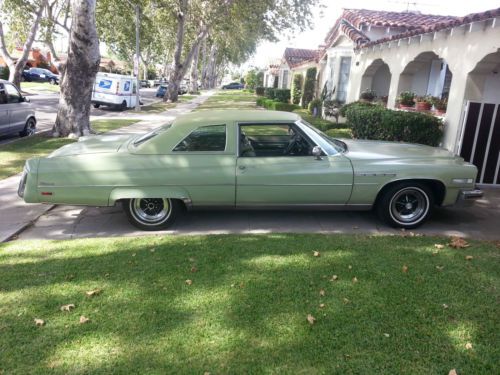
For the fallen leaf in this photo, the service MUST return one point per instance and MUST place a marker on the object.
(405, 268)
(94, 292)
(321, 305)
(439, 268)
(189, 282)
(468, 346)
(346, 301)
(458, 243)
(349, 266)
(194, 269)
(438, 246)
(206, 373)
(453, 372)
(134, 254)
(469, 257)
(67, 307)
(387, 335)
(84, 320)
(152, 250)
(316, 253)
(311, 319)
(445, 306)
(39, 322)
(322, 292)
(354, 279)
(334, 278)
(191, 260)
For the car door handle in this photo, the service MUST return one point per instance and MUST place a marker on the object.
(242, 167)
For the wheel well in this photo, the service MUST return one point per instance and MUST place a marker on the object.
(436, 186)
(183, 204)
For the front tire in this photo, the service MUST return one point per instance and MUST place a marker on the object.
(152, 213)
(96, 105)
(29, 128)
(406, 205)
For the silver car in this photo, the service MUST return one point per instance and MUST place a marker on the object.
(16, 113)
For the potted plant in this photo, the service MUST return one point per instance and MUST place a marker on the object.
(440, 105)
(423, 103)
(406, 100)
(368, 95)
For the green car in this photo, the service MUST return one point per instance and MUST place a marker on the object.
(248, 159)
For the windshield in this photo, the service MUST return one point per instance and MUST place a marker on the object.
(153, 133)
(337, 144)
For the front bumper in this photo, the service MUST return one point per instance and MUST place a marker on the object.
(468, 196)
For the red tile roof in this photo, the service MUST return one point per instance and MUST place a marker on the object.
(298, 56)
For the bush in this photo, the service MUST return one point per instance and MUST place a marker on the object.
(269, 93)
(343, 110)
(407, 98)
(288, 107)
(260, 90)
(282, 95)
(4, 72)
(309, 86)
(316, 103)
(298, 81)
(368, 95)
(379, 123)
(261, 100)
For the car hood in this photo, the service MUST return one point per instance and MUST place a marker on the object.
(362, 150)
(92, 145)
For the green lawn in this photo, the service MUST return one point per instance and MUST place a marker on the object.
(163, 106)
(230, 99)
(13, 155)
(38, 86)
(245, 309)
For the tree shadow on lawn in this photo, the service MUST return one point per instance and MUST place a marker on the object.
(246, 309)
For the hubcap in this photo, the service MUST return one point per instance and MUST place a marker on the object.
(409, 205)
(151, 210)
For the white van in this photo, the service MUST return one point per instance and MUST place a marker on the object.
(114, 90)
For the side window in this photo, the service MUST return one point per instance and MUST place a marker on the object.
(205, 138)
(3, 95)
(13, 95)
(126, 86)
(134, 87)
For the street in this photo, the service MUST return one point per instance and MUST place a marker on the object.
(45, 106)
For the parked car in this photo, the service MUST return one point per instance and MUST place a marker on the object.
(162, 89)
(160, 81)
(248, 159)
(144, 83)
(233, 86)
(114, 90)
(16, 112)
(40, 75)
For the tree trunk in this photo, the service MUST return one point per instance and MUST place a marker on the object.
(204, 64)
(79, 72)
(194, 71)
(16, 68)
(212, 66)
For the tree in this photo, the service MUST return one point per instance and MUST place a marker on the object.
(251, 79)
(78, 74)
(309, 87)
(23, 9)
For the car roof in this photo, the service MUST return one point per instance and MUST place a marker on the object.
(231, 115)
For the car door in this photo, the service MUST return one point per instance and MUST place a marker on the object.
(16, 107)
(4, 111)
(266, 177)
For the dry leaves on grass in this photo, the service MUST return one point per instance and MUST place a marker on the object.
(67, 307)
(321, 305)
(468, 346)
(316, 253)
(469, 257)
(84, 319)
(354, 279)
(322, 292)
(334, 278)
(39, 322)
(458, 243)
(189, 282)
(438, 246)
(453, 372)
(93, 293)
(439, 268)
(405, 268)
(194, 269)
(311, 319)
(445, 306)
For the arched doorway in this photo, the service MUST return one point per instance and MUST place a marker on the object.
(377, 77)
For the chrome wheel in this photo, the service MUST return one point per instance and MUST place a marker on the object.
(150, 211)
(409, 205)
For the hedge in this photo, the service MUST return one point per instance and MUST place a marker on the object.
(343, 110)
(275, 105)
(269, 93)
(282, 95)
(298, 81)
(260, 90)
(379, 123)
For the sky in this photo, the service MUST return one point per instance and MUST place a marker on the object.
(325, 18)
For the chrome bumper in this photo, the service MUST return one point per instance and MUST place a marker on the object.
(470, 194)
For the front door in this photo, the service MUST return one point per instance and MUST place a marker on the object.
(17, 108)
(4, 112)
(275, 167)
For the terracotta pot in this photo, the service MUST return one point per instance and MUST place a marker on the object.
(407, 107)
(423, 106)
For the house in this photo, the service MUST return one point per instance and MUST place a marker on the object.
(443, 56)
(36, 59)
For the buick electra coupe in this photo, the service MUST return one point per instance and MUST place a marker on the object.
(248, 159)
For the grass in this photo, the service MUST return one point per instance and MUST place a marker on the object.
(245, 312)
(14, 154)
(230, 99)
(38, 86)
(163, 106)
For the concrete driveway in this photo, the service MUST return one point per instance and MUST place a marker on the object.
(481, 221)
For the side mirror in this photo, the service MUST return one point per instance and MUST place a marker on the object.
(317, 152)
(23, 99)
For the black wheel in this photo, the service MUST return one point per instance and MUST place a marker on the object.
(152, 213)
(123, 106)
(52, 81)
(96, 105)
(406, 205)
(29, 128)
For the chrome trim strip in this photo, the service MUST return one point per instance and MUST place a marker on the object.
(239, 185)
(374, 174)
(306, 206)
(128, 186)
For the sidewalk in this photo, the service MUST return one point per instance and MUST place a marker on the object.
(15, 215)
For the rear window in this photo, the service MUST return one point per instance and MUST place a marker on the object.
(206, 138)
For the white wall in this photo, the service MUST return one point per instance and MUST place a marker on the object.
(381, 81)
(491, 91)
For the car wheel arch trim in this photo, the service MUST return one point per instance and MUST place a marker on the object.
(415, 180)
(171, 192)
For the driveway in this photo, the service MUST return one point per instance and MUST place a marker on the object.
(480, 221)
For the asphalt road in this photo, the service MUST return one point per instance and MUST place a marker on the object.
(45, 106)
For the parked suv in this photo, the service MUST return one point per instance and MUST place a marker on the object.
(16, 113)
(40, 75)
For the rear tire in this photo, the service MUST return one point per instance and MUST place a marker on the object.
(152, 213)
(96, 105)
(123, 106)
(406, 205)
(29, 128)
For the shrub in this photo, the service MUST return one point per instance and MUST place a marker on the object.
(316, 103)
(298, 81)
(407, 98)
(309, 86)
(261, 100)
(260, 90)
(288, 107)
(4, 72)
(376, 122)
(343, 110)
(282, 95)
(368, 94)
(269, 93)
